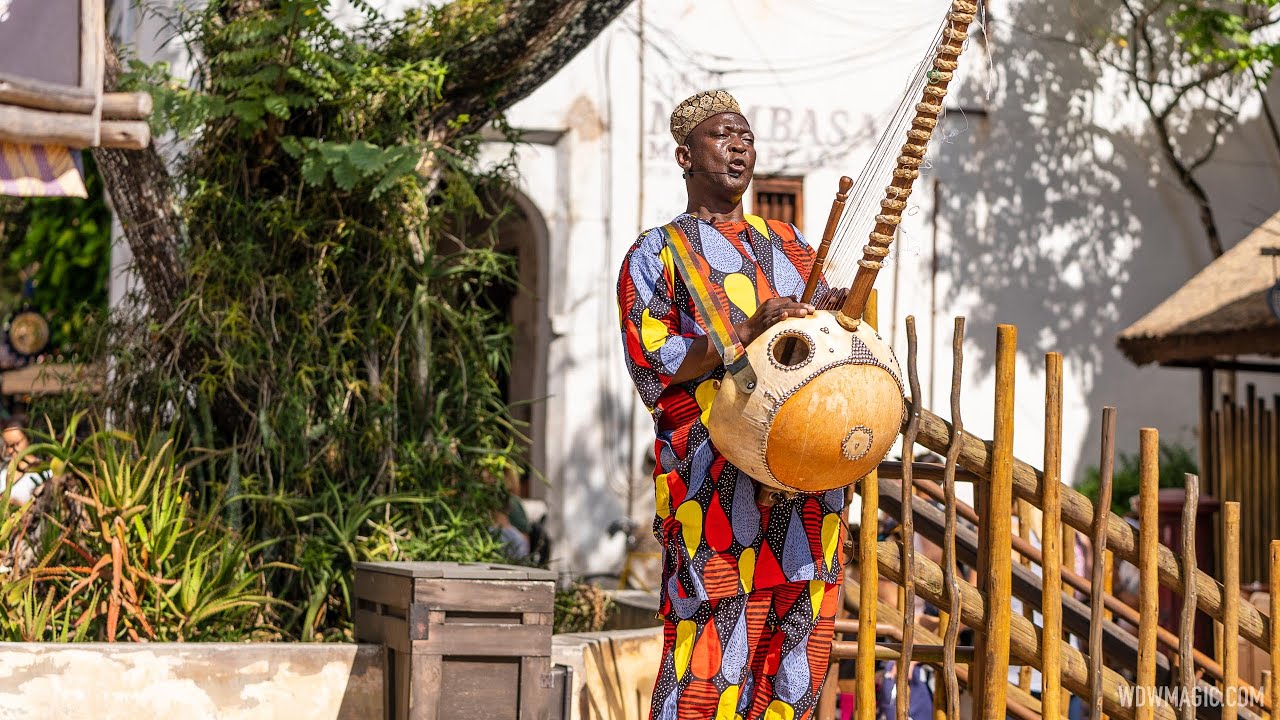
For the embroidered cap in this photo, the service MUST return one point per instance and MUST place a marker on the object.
(694, 110)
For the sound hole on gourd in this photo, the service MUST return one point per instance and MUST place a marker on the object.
(791, 350)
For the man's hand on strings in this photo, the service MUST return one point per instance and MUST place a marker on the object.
(833, 299)
(771, 312)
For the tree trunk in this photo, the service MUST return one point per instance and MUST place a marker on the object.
(142, 196)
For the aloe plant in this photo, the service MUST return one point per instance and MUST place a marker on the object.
(122, 554)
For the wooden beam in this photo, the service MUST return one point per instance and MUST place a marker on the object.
(50, 378)
(115, 106)
(40, 127)
(1232, 365)
(893, 470)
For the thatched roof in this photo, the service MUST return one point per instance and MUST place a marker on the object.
(1221, 312)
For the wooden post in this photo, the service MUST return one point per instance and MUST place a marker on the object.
(951, 598)
(1230, 608)
(1099, 539)
(868, 581)
(1275, 629)
(997, 573)
(1187, 627)
(1211, 481)
(908, 528)
(1054, 702)
(1149, 582)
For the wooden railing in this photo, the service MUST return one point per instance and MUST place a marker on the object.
(1121, 664)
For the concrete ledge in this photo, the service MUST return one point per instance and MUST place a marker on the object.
(613, 672)
(191, 681)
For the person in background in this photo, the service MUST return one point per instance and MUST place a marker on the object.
(15, 442)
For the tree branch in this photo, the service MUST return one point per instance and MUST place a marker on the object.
(534, 40)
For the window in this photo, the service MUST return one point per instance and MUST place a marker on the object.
(779, 198)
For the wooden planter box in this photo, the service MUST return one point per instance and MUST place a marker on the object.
(463, 640)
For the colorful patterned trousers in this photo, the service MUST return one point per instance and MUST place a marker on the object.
(758, 656)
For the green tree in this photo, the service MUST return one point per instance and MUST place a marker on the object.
(1192, 67)
(308, 325)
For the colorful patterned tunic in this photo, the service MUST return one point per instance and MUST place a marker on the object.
(719, 542)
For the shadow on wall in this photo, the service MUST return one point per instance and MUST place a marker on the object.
(1066, 227)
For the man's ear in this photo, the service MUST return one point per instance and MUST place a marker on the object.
(684, 158)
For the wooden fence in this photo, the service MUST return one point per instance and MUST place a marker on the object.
(1083, 639)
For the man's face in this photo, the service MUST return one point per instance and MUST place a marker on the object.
(721, 154)
(15, 441)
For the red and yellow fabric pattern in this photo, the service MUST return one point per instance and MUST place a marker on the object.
(719, 542)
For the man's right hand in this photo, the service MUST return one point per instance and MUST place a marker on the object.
(771, 312)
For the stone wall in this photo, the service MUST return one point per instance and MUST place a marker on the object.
(191, 681)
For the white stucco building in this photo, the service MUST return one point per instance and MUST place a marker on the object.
(1046, 207)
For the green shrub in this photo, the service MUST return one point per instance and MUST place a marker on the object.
(1175, 462)
(112, 548)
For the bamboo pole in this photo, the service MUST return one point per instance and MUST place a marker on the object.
(866, 662)
(1231, 607)
(908, 527)
(1024, 638)
(1187, 626)
(39, 127)
(1098, 537)
(952, 600)
(1148, 582)
(994, 564)
(1077, 512)
(1054, 702)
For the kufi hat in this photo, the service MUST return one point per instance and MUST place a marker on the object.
(694, 110)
